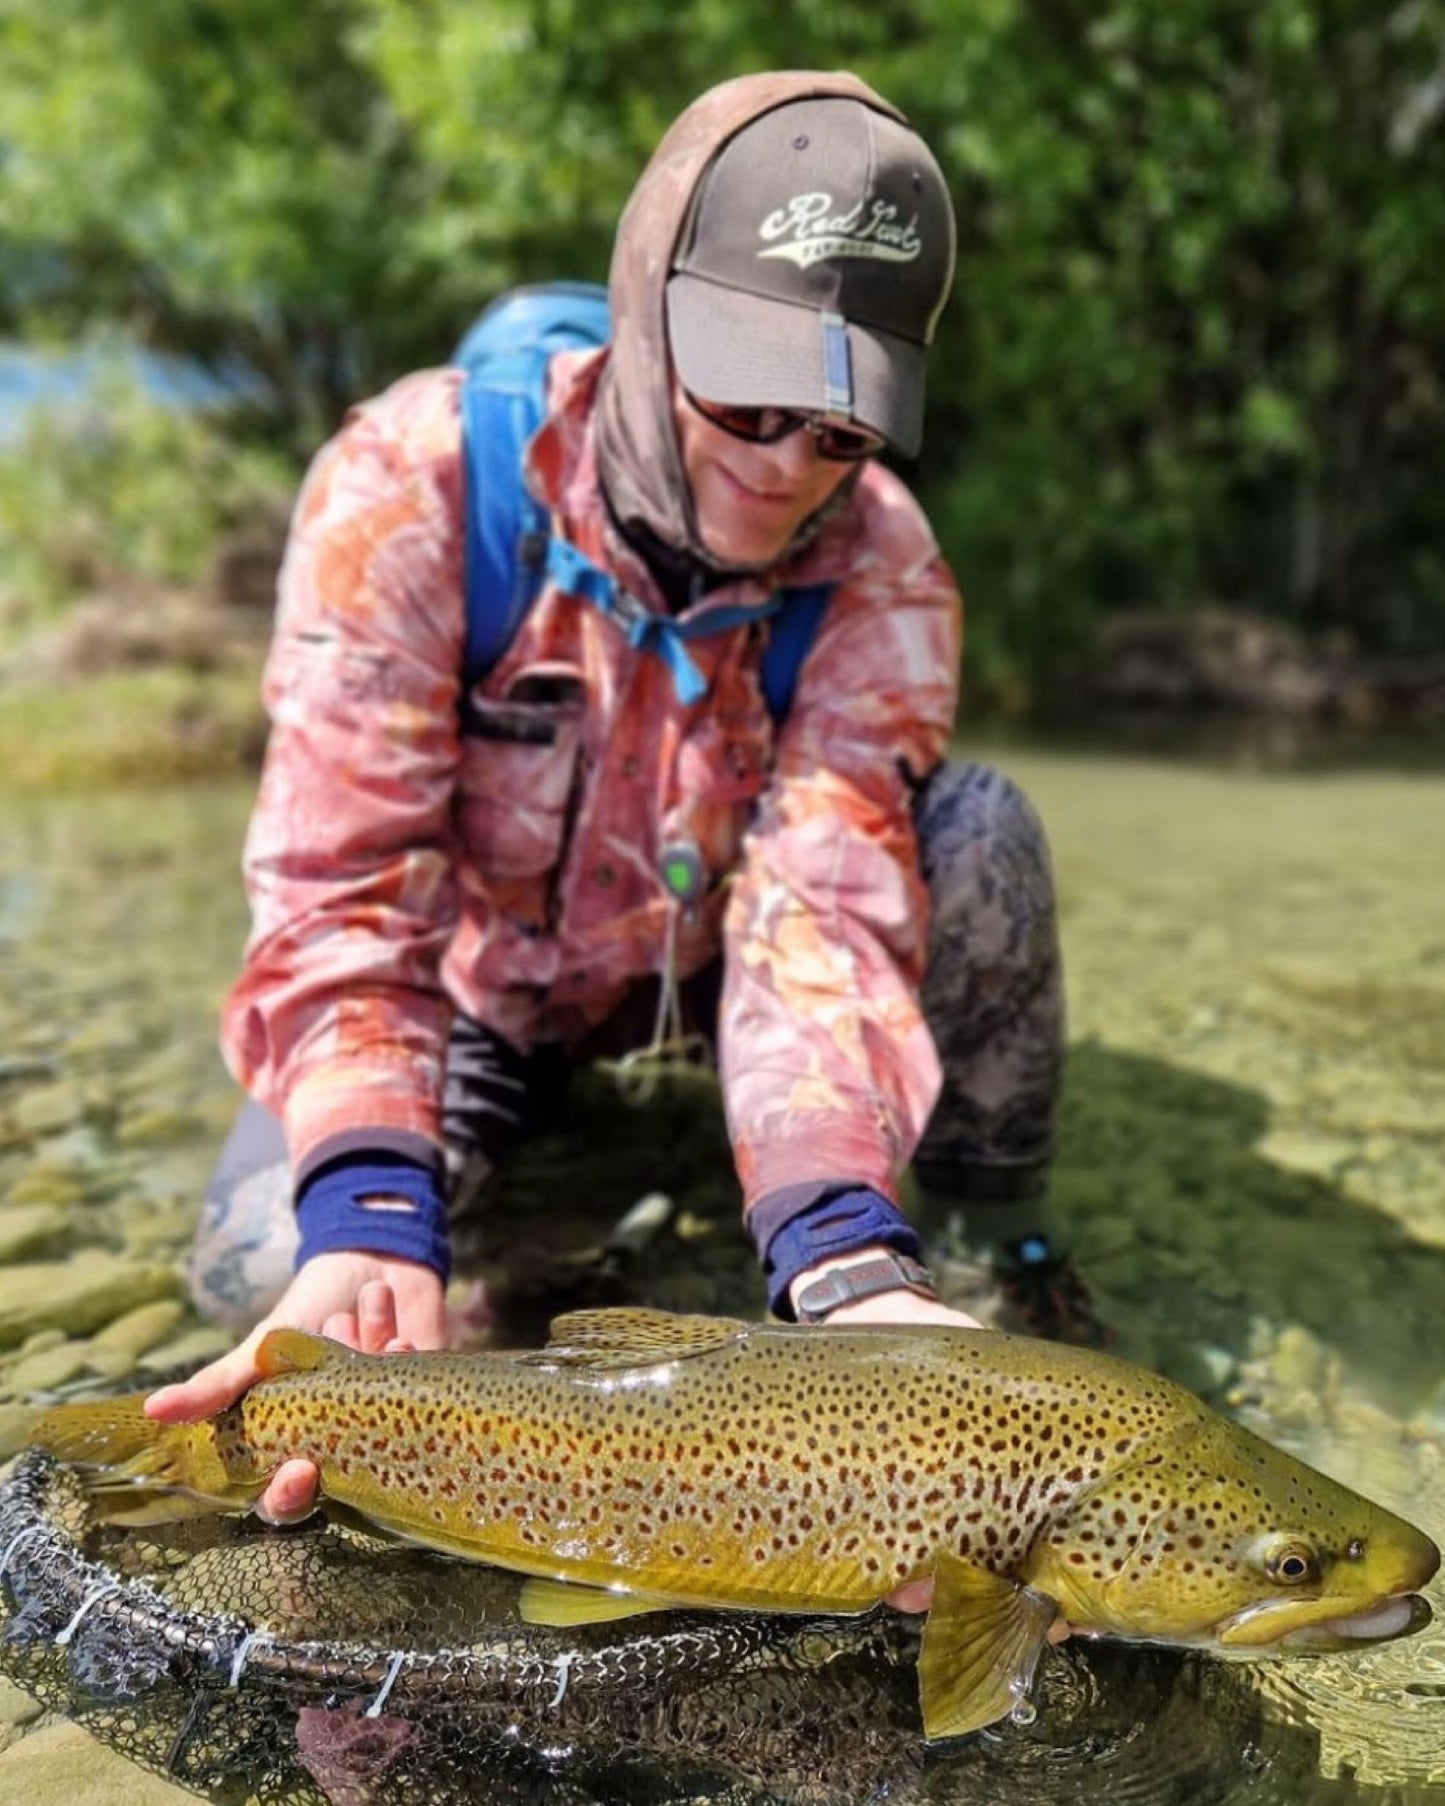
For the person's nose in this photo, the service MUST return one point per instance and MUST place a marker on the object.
(795, 456)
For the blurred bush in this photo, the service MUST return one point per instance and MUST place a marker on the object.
(119, 493)
(1195, 352)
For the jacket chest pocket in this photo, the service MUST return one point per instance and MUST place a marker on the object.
(519, 759)
(722, 769)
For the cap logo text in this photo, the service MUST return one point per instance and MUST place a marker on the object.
(807, 231)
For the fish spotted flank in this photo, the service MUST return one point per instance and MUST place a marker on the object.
(705, 1462)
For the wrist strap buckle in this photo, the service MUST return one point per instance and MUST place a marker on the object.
(865, 1279)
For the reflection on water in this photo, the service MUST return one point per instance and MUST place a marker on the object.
(1250, 1176)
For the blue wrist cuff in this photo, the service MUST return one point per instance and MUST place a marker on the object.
(839, 1224)
(332, 1218)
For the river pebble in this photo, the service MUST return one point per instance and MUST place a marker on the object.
(50, 1368)
(17, 1709)
(80, 1295)
(31, 1229)
(1298, 1360)
(15, 1422)
(46, 1109)
(63, 1765)
(139, 1330)
(190, 1350)
(49, 1187)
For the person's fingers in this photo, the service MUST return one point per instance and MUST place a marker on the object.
(291, 1493)
(912, 1596)
(421, 1315)
(397, 1345)
(341, 1326)
(375, 1316)
(212, 1389)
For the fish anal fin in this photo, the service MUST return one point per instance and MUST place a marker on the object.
(297, 1350)
(634, 1337)
(981, 1644)
(564, 1605)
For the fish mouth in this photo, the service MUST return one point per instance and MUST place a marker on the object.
(1400, 1615)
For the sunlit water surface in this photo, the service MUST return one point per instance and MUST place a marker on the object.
(1250, 1176)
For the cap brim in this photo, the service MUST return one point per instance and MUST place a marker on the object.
(755, 351)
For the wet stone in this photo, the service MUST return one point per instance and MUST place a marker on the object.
(43, 1339)
(80, 1295)
(16, 1706)
(50, 1368)
(139, 1330)
(57, 1190)
(15, 1425)
(31, 1229)
(191, 1349)
(1298, 1361)
(63, 1765)
(155, 1128)
(47, 1109)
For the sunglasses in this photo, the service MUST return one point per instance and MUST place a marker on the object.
(767, 426)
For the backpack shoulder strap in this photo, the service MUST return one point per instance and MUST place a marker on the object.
(790, 638)
(505, 355)
(506, 528)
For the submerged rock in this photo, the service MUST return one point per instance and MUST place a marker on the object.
(80, 1296)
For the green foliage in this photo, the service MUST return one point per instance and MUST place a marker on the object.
(155, 727)
(1195, 349)
(125, 489)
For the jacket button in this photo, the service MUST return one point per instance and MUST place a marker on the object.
(604, 875)
(631, 765)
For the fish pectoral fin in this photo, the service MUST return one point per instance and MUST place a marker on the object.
(130, 1509)
(564, 1605)
(981, 1644)
(292, 1350)
(632, 1337)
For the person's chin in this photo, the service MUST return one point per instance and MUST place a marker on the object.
(743, 553)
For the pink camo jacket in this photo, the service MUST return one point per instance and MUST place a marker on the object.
(397, 866)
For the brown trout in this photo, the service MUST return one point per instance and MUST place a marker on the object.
(653, 1461)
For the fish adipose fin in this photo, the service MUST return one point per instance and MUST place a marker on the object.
(633, 1338)
(564, 1605)
(981, 1644)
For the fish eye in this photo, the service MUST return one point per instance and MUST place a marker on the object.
(1292, 1563)
(1355, 1550)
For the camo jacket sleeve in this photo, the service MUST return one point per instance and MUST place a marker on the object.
(830, 1071)
(339, 1015)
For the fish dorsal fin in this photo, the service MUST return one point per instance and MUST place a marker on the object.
(293, 1350)
(633, 1337)
(981, 1645)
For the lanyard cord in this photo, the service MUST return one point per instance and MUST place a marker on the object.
(638, 1073)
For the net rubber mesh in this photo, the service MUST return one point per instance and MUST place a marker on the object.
(321, 1666)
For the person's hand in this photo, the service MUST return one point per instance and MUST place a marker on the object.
(899, 1306)
(373, 1302)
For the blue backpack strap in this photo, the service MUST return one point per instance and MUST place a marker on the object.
(503, 522)
(505, 356)
(790, 639)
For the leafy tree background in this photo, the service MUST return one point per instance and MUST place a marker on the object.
(1195, 349)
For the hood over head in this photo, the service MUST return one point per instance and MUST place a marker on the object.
(790, 244)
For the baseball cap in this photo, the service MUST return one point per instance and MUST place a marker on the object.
(813, 265)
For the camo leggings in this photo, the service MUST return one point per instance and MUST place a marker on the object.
(992, 995)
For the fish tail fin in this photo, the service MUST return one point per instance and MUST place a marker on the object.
(104, 1432)
(127, 1449)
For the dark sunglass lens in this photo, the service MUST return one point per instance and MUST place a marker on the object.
(844, 445)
